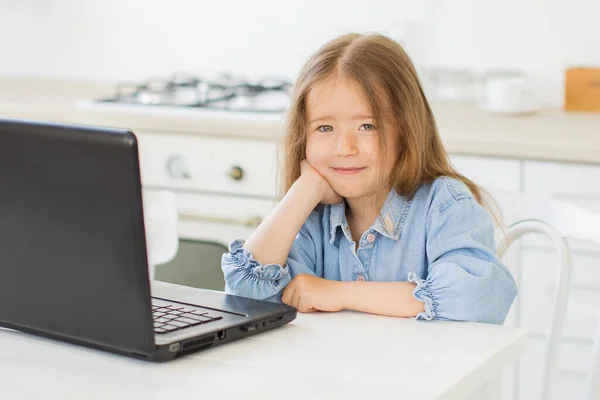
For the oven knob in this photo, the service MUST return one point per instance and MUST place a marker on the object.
(177, 167)
(236, 173)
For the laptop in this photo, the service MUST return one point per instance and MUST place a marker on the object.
(73, 260)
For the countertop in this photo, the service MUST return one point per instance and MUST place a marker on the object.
(550, 134)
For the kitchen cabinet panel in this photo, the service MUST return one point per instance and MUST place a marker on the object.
(208, 164)
(500, 173)
(571, 379)
(538, 283)
(576, 183)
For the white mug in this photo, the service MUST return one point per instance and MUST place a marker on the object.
(508, 94)
(160, 219)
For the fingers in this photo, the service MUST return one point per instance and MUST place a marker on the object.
(288, 292)
(296, 298)
(304, 307)
(293, 296)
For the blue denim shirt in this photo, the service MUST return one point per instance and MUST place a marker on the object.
(442, 240)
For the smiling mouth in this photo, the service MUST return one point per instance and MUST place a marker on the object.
(348, 171)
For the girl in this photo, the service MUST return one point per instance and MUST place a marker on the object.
(374, 217)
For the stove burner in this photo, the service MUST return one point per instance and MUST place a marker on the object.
(225, 93)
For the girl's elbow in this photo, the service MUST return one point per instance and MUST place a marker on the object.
(496, 311)
(255, 283)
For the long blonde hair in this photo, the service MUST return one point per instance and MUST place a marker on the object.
(389, 80)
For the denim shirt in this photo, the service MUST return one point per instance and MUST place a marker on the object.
(441, 239)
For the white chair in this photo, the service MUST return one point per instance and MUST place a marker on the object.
(160, 221)
(557, 220)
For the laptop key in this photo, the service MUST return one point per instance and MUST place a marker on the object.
(200, 318)
(169, 328)
(189, 321)
(179, 324)
(159, 330)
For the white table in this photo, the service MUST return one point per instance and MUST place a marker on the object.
(318, 356)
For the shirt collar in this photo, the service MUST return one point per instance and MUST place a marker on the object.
(389, 222)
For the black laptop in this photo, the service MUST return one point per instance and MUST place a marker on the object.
(73, 262)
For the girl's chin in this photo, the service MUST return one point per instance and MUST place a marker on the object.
(350, 192)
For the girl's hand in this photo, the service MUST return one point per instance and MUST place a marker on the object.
(309, 293)
(329, 196)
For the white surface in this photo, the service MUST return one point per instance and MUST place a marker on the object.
(160, 223)
(317, 356)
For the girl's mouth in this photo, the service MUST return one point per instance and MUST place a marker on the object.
(348, 171)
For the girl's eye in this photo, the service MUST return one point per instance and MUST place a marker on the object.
(325, 128)
(367, 127)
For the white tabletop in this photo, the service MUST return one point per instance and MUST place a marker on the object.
(342, 355)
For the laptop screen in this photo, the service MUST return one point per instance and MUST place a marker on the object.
(72, 246)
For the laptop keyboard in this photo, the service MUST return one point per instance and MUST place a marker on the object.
(172, 317)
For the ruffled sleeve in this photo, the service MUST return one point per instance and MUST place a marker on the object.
(246, 276)
(465, 280)
(424, 293)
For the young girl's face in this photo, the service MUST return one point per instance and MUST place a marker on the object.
(342, 142)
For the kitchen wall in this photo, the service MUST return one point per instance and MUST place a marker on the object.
(134, 39)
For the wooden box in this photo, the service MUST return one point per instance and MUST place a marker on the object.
(582, 89)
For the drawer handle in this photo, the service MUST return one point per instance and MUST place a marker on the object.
(250, 222)
(236, 173)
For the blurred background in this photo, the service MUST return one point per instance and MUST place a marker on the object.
(116, 40)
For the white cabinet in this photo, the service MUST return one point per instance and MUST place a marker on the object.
(224, 187)
(535, 269)
(576, 183)
(500, 173)
(242, 167)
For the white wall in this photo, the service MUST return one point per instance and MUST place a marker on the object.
(136, 39)
(133, 39)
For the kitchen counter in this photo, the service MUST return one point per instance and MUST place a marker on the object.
(551, 134)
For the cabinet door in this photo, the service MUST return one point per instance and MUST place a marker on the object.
(576, 183)
(212, 165)
(573, 362)
(500, 173)
(539, 268)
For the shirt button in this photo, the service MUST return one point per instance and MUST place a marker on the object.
(370, 238)
(360, 278)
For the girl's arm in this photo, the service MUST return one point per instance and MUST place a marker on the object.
(270, 243)
(272, 240)
(394, 299)
(283, 246)
(310, 293)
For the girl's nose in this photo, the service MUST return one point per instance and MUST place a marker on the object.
(346, 145)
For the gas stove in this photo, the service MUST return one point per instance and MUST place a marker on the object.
(226, 92)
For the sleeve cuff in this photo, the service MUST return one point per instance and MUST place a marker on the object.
(240, 258)
(424, 294)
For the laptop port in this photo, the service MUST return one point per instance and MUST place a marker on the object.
(272, 320)
(221, 335)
